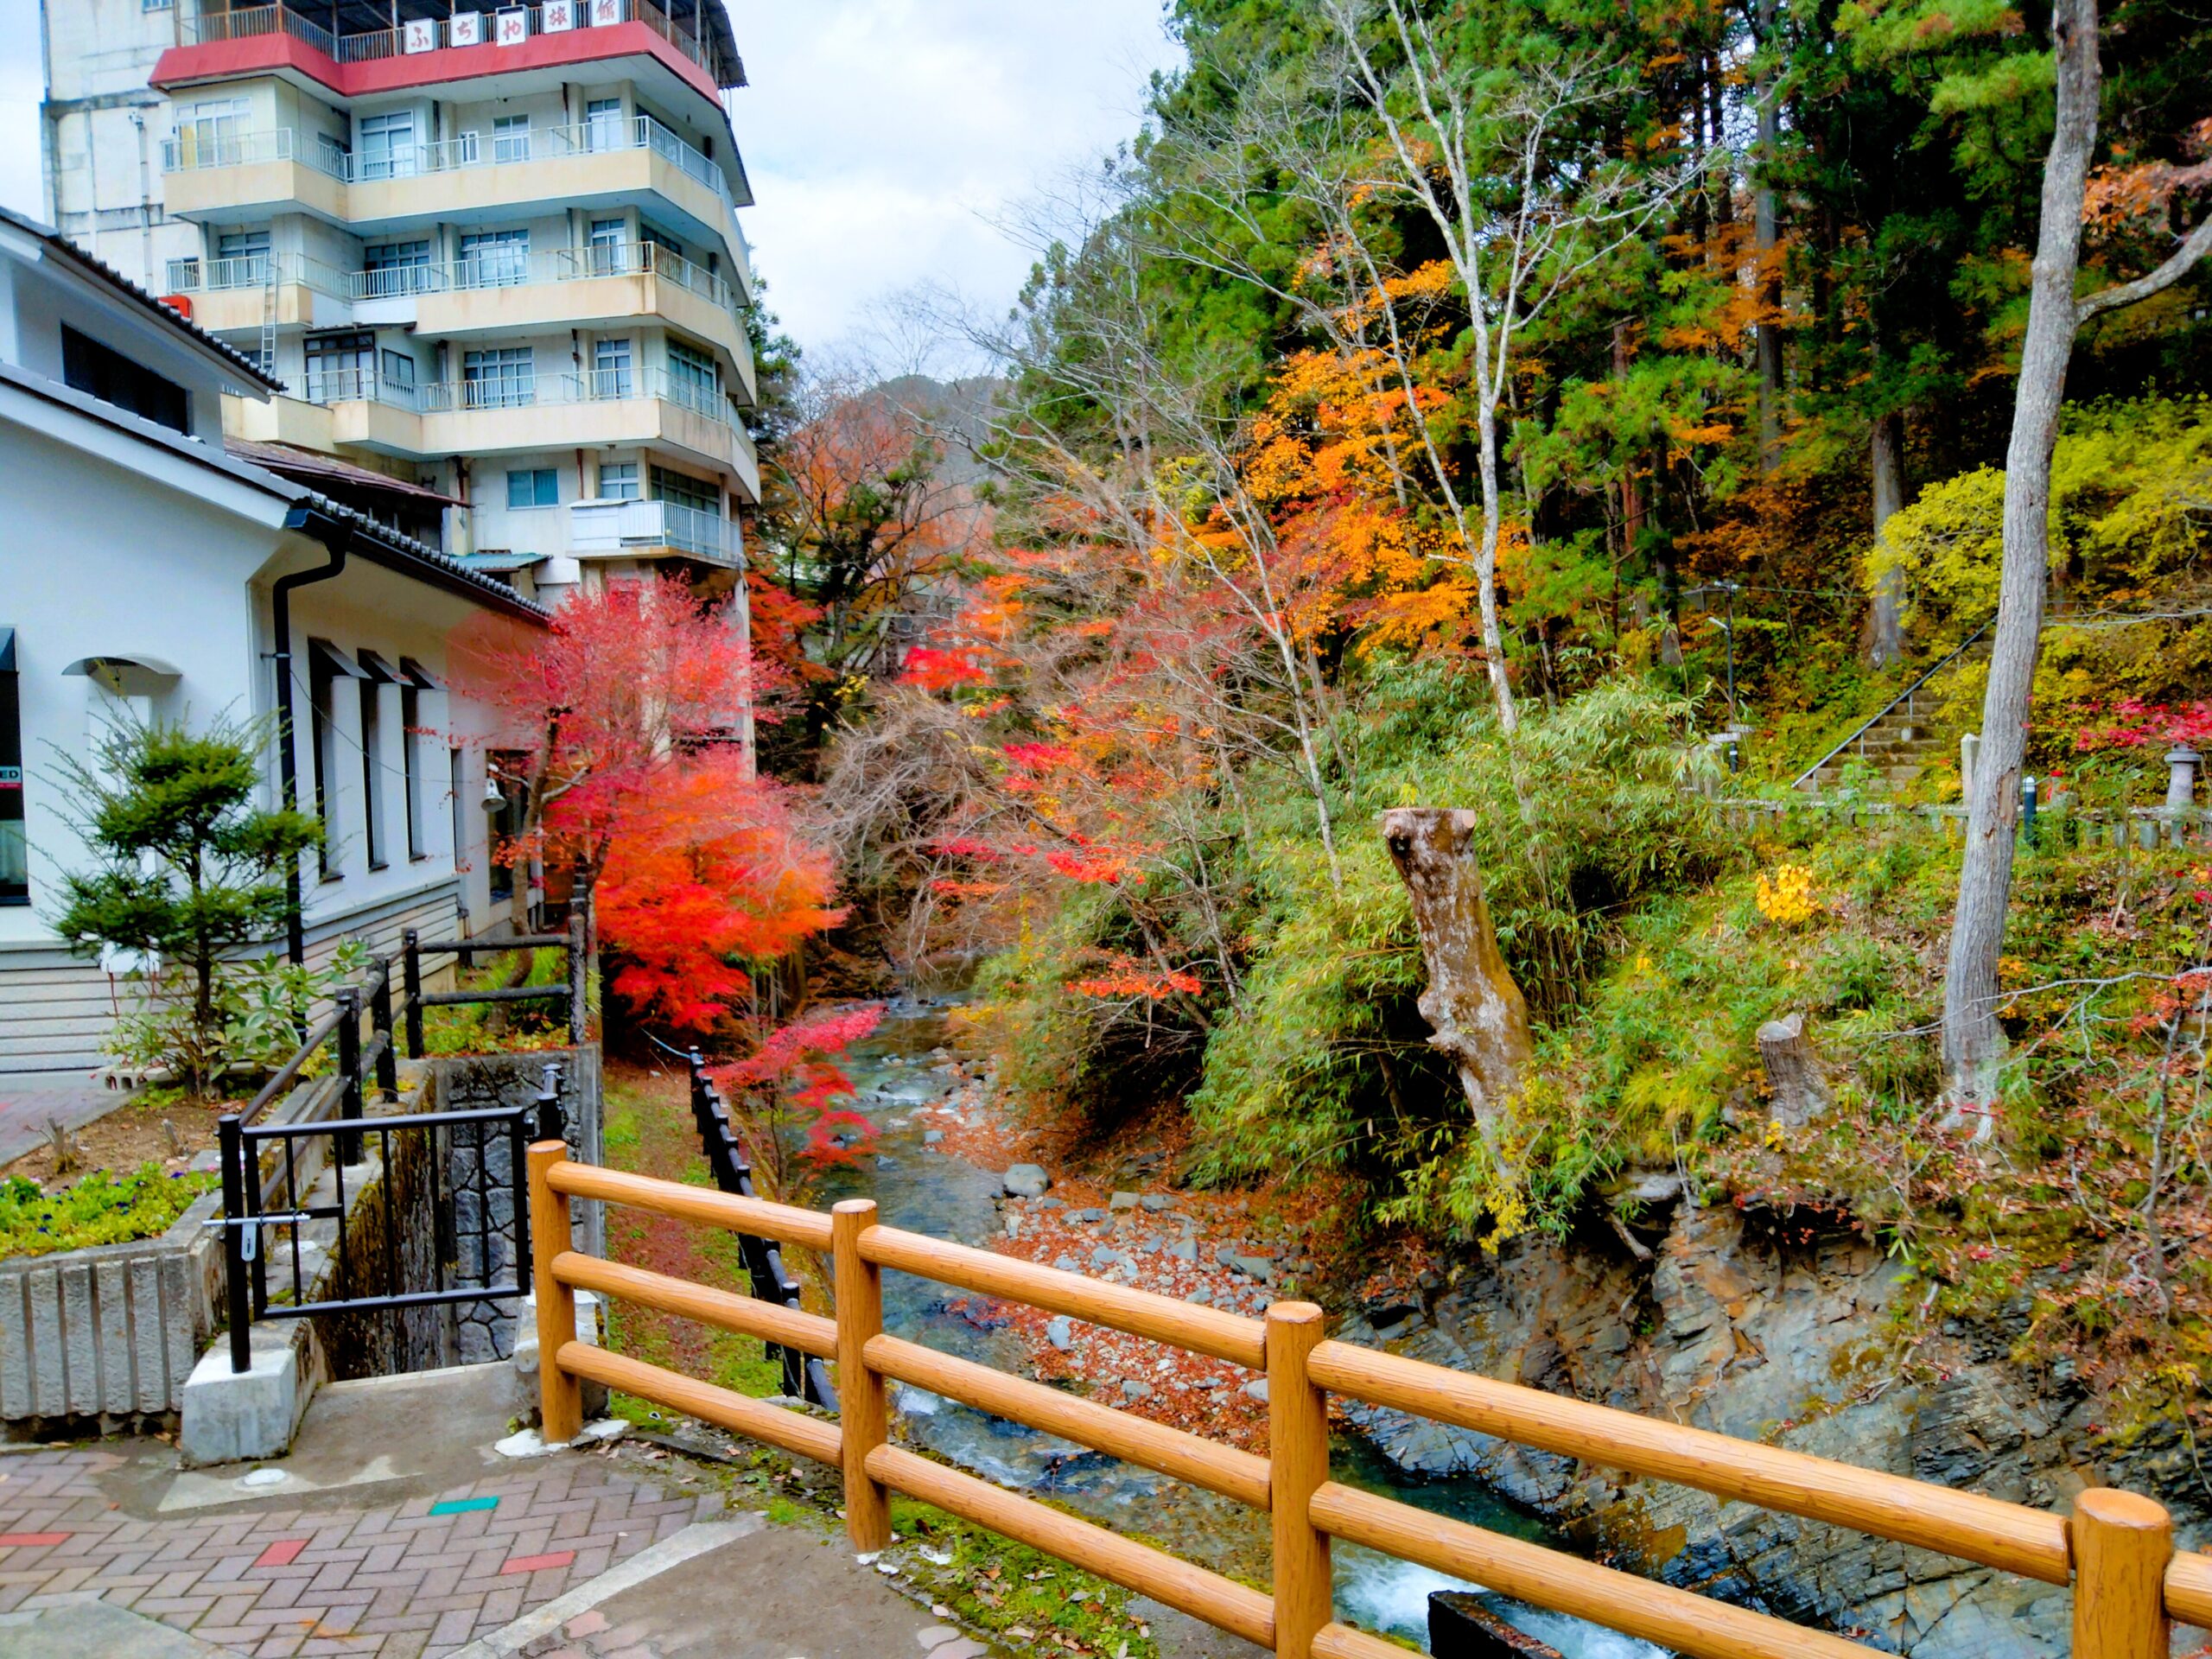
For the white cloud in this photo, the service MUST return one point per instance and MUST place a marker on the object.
(882, 137)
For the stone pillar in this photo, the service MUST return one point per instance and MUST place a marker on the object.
(1969, 757)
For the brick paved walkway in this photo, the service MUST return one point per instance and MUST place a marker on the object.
(407, 1580)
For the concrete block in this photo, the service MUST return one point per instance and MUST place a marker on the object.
(525, 1355)
(234, 1417)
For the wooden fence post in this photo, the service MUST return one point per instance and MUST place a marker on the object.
(2121, 1544)
(864, 1413)
(561, 1405)
(1298, 1460)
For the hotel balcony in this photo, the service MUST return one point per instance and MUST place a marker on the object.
(602, 408)
(604, 530)
(335, 406)
(380, 57)
(513, 415)
(595, 164)
(496, 294)
(256, 290)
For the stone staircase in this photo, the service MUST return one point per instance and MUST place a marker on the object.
(1900, 742)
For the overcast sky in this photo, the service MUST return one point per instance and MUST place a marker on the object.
(882, 136)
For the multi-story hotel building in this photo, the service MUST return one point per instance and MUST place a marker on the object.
(494, 253)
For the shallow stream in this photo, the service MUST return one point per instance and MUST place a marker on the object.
(915, 1187)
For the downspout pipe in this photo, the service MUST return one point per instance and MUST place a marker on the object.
(336, 535)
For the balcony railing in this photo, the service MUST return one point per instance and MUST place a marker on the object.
(611, 526)
(194, 276)
(190, 150)
(506, 26)
(501, 267)
(334, 386)
(532, 390)
(193, 149)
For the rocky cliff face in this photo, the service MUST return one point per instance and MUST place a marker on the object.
(1763, 1334)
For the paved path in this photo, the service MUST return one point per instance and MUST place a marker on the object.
(402, 1580)
(396, 1529)
(29, 1098)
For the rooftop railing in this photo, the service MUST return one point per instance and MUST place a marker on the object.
(505, 26)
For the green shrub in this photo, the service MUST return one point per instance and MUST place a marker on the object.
(100, 1209)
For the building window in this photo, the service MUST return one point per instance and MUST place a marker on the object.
(681, 491)
(15, 851)
(387, 145)
(340, 367)
(396, 371)
(371, 691)
(459, 801)
(603, 123)
(106, 373)
(609, 238)
(618, 481)
(511, 138)
(212, 133)
(323, 733)
(241, 260)
(414, 681)
(538, 486)
(610, 369)
(390, 268)
(494, 258)
(692, 378)
(503, 377)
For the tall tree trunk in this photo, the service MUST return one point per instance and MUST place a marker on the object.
(1886, 462)
(1766, 236)
(1973, 1043)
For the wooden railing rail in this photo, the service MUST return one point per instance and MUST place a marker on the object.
(2115, 1549)
(2009, 1536)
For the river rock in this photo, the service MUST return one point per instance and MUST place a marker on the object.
(1067, 1264)
(1105, 1255)
(1156, 1202)
(1133, 1389)
(1122, 1201)
(1725, 1332)
(931, 1137)
(1084, 1218)
(1184, 1249)
(1026, 1181)
(1257, 1390)
(1061, 1333)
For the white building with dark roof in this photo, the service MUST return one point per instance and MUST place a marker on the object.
(144, 568)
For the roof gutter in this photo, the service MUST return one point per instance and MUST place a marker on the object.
(337, 536)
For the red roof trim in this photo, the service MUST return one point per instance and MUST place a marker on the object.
(259, 53)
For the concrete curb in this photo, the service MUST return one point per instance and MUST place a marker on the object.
(648, 1563)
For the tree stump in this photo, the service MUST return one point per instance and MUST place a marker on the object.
(1475, 1012)
(1793, 1070)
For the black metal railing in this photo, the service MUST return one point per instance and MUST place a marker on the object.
(255, 1202)
(804, 1376)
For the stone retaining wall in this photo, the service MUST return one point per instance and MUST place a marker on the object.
(111, 1332)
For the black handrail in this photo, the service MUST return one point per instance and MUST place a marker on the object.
(1905, 696)
(356, 1062)
(805, 1378)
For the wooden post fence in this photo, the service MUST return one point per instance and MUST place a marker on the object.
(2115, 1549)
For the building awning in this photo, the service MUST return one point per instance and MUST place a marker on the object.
(378, 670)
(335, 661)
(115, 663)
(413, 673)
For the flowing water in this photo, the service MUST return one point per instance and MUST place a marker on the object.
(892, 1072)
